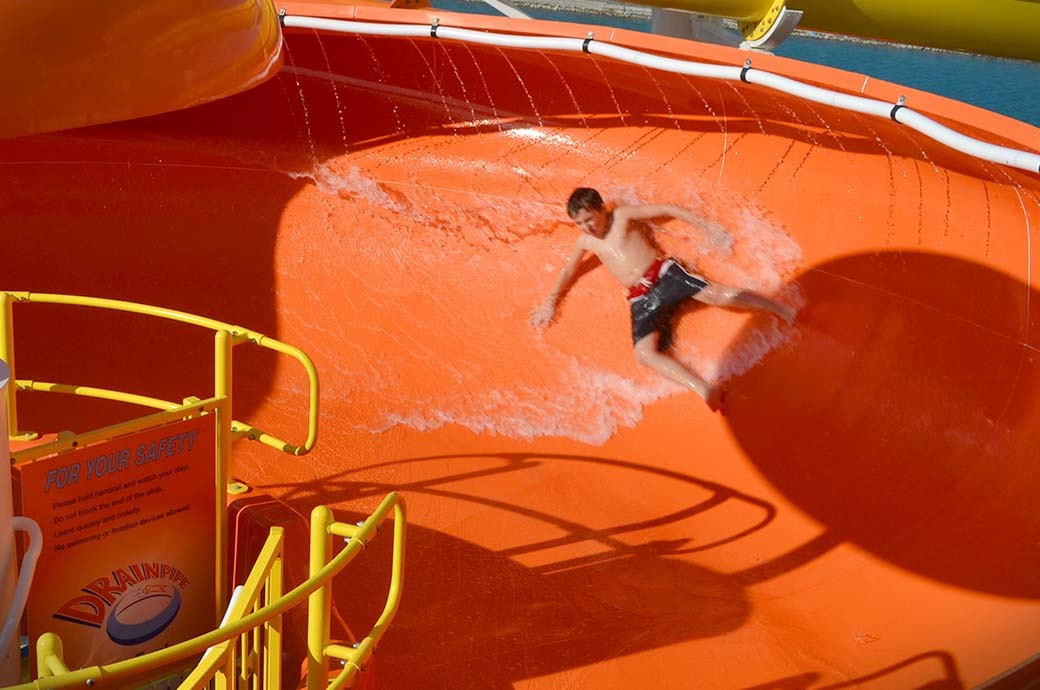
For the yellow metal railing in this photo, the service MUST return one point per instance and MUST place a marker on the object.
(319, 648)
(226, 336)
(255, 665)
(68, 441)
(256, 661)
(244, 653)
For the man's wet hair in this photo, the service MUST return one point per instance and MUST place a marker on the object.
(584, 198)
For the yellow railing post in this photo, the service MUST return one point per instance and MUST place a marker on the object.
(223, 454)
(49, 659)
(273, 661)
(222, 389)
(319, 603)
(354, 660)
(222, 365)
(7, 355)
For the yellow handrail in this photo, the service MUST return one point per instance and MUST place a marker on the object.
(244, 652)
(97, 676)
(233, 335)
(221, 660)
(323, 528)
(92, 392)
(70, 441)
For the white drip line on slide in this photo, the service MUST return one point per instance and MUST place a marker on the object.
(898, 111)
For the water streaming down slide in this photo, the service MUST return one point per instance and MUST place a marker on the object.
(863, 516)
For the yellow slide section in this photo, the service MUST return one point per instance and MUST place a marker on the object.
(1005, 28)
(79, 64)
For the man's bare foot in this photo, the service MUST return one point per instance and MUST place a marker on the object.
(716, 400)
(786, 313)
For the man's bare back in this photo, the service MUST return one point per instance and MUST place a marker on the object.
(635, 262)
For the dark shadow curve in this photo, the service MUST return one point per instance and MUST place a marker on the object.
(904, 418)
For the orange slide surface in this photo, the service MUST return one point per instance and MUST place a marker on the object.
(863, 516)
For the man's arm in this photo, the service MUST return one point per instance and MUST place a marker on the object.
(718, 234)
(547, 309)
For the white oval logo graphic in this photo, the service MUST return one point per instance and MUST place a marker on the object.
(144, 611)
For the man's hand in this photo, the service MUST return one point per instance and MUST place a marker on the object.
(715, 232)
(716, 399)
(544, 313)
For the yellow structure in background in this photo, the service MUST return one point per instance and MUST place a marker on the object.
(122, 59)
(1004, 28)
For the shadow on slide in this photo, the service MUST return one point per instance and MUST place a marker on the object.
(904, 416)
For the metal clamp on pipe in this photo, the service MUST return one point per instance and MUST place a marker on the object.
(895, 109)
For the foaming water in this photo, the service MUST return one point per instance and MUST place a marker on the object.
(587, 405)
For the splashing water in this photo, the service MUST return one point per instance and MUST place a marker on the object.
(590, 406)
(346, 181)
(440, 282)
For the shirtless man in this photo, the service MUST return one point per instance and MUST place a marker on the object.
(655, 284)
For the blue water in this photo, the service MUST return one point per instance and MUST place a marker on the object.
(1009, 87)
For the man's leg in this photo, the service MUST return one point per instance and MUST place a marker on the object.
(724, 296)
(647, 354)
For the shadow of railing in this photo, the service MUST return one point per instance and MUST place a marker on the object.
(946, 679)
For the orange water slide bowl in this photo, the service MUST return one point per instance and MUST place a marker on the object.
(863, 515)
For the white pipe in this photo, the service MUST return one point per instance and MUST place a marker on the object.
(845, 101)
(695, 69)
(25, 577)
(973, 147)
(1003, 155)
(235, 596)
(903, 115)
(344, 26)
(510, 40)
(10, 666)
